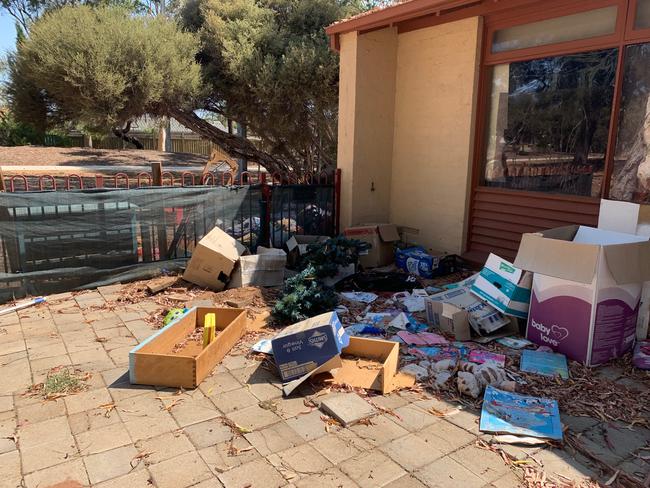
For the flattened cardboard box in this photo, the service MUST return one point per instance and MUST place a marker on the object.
(153, 362)
(266, 268)
(586, 290)
(382, 238)
(304, 346)
(213, 260)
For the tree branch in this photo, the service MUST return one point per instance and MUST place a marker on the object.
(122, 134)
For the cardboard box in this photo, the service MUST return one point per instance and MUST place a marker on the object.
(504, 286)
(304, 346)
(382, 238)
(266, 268)
(153, 362)
(297, 246)
(213, 260)
(586, 290)
(360, 369)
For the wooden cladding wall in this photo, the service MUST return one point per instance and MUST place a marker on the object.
(499, 217)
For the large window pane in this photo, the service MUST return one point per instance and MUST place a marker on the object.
(548, 123)
(631, 175)
(642, 19)
(585, 25)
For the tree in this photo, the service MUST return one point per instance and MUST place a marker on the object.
(102, 68)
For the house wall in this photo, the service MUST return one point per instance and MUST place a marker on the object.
(366, 124)
(435, 103)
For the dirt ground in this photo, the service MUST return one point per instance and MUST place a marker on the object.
(76, 156)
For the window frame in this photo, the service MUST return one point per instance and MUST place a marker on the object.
(623, 36)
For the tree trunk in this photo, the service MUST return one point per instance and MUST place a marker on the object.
(232, 144)
(123, 134)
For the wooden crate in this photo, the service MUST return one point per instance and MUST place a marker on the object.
(153, 362)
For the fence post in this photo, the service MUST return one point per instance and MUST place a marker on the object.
(156, 174)
(2, 181)
(337, 201)
(265, 224)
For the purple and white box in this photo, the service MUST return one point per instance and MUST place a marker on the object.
(586, 290)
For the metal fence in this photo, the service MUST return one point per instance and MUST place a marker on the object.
(52, 241)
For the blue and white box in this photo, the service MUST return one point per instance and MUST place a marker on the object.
(304, 346)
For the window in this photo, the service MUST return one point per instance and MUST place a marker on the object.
(642, 19)
(631, 172)
(548, 123)
(584, 25)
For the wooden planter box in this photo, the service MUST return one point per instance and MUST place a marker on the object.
(153, 362)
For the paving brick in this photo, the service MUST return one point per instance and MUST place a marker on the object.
(265, 391)
(144, 417)
(38, 412)
(46, 364)
(614, 441)
(446, 436)
(51, 430)
(208, 433)
(193, 410)
(253, 418)
(209, 483)
(234, 400)
(411, 452)
(56, 348)
(95, 359)
(483, 463)
(413, 418)
(309, 426)
(69, 472)
(48, 454)
(467, 420)
(304, 460)
(10, 469)
(7, 431)
(446, 472)
(275, 438)
(140, 329)
(407, 481)
(390, 401)
(103, 439)
(347, 408)
(380, 431)
(16, 376)
(507, 481)
(106, 323)
(229, 454)
(181, 471)
(327, 479)
(337, 448)
(292, 406)
(372, 469)
(87, 400)
(111, 464)
(136, 479)
(164, 447)
(558, 462)
(256, 474)
(218, 384)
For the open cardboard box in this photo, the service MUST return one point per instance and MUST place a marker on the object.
(373, 366)
(153, 362)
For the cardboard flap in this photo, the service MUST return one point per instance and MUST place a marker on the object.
(552, 256)
(218, 241)
(629, 263)
(388, 232)
(503, 268)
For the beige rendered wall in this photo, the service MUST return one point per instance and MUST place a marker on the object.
(435, 101)
(365, 131)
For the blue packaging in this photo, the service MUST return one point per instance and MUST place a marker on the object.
(416, 261)
(304, 346)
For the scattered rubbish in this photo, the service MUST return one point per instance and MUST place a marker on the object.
(213, 260)
(341, 309)
(161, 284)
(514, 342)
(481, 357)
(364, 329)
(512, 413)
(263, 346)
(586, 290)
(333, 363)
(174, 314)
(359, 296)
(414, 302)
(155, 362)
(304, 346)
(544, 363)
(422, 338)
(641, 356)
(442, 378)
(400, 321)
(516, 439)
(468, 384)
(347, 408)
(382, 239)
(371, 364)
(266, 268)
(21, 305)
(418, 372)
(379, 282)
(417, 261)
(504, 286)
(297, 247)
(439, 353)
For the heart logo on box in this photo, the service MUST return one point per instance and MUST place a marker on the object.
(559, 333)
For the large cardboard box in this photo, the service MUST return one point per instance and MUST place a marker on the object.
(266, 268)
(382, 238)
(586, 290)
(504, 286)
(304, 346)
(156, 361)
(297, 246)
(213, 260)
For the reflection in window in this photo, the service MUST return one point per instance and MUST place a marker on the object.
(642, 19)
(548, 123)
(631, 175)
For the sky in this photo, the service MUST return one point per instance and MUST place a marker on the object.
(7, 32)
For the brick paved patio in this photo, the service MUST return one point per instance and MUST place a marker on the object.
(80, 440)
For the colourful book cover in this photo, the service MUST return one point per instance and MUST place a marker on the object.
(544, 363)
